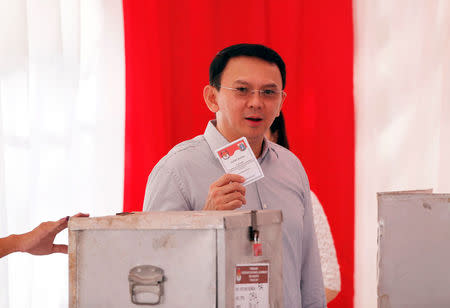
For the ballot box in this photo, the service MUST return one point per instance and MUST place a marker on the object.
(413, 250)
(177, 259)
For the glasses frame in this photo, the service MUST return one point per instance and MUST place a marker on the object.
(260, 91)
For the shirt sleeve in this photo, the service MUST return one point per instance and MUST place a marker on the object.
(164, 191)
(312, 288)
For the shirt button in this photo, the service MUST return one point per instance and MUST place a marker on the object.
(264, 206)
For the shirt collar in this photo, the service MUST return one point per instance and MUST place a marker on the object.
(265, 149)
(216, 140)
(268, 150)
(213, 137)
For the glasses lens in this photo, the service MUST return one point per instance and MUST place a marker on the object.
(269, 94)
(242, 91)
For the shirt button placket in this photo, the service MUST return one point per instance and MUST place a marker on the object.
(262, 204)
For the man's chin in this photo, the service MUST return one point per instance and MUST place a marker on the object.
(255, 135)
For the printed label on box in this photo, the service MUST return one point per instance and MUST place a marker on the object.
(251, 286)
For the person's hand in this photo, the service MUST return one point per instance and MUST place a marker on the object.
(39, 241)
(227, 193)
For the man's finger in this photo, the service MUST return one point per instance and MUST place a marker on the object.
(233, 196)
(232, 187)
(59, 249)
(235, 204)
(227, 178)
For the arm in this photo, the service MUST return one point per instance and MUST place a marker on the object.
(39, 241)
(165, 191)
(330, 294)
(8, 245)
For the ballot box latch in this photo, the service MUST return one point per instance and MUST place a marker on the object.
(253, 229)
(254, 236)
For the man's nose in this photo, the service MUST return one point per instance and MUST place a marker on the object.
(255, 100)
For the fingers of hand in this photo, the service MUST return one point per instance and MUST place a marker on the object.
(59, 249)
(227, 193)
(60, 224)
(232, 205)
(235, 189)
(227, 197)
(81, 215)
(232, 187)
(236, 195)
(227, 178)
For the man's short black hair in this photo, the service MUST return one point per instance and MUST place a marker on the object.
(220, 61)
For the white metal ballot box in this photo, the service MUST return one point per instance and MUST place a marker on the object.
(177, 259)
(413, 250)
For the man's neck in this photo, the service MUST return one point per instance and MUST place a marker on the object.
(256, 144)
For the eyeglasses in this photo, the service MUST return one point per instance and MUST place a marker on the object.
(243, 92)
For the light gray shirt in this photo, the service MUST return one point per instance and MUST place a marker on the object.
(181, 180)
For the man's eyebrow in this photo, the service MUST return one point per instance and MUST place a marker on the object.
(268, 85)
(241, 82)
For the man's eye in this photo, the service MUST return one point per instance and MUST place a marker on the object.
(242, 90)
(269, 92)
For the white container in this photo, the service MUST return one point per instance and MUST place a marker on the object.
(175, 259)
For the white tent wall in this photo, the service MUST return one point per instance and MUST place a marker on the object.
(62, 103)
(402, 103)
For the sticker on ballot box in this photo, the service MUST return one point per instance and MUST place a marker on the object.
(237, 157)
(251, 286)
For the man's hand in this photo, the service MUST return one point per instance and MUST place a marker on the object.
(39, 241)
(227, 193)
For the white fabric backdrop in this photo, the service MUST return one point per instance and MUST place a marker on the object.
(402, 100)
(62, 111)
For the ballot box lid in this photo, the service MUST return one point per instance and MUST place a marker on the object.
(176, 220)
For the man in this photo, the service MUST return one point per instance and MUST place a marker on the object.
(246, 94)
(38, 241)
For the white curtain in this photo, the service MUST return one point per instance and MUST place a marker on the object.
(62, 114)
(402, 98)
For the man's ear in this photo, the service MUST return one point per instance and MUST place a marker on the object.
(210, 97)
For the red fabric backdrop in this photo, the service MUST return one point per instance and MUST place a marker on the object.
(168, 48)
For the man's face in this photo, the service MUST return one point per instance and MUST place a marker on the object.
(248, 115)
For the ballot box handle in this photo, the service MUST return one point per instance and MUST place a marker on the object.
(146, 284)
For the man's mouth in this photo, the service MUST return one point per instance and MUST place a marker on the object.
(253, 119)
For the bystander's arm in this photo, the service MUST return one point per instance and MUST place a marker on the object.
(39, 241)
(8, 245)
(330, 294)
